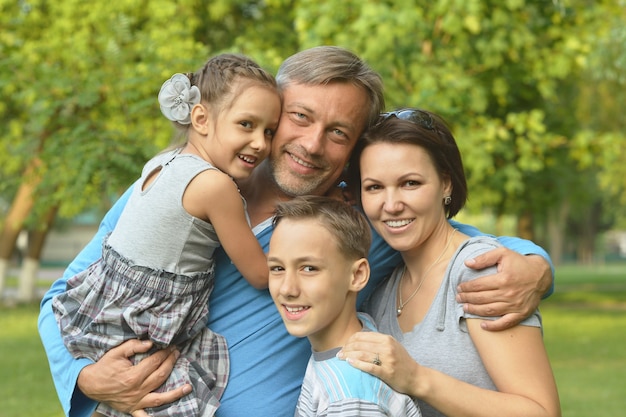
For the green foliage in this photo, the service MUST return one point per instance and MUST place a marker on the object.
(82, 96)
(524, 85)
(79, 83)
(496, 71)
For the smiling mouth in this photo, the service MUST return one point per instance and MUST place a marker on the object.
(398, 223)
(248, 159)
(295, 309)
(301, 161)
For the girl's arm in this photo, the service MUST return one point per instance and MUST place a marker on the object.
(214, 197)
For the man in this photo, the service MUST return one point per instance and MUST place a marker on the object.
(330, 97)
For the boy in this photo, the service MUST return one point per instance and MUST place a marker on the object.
(318, 264)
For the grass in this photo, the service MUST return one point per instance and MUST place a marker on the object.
(584, 331)
(26, 387)
(585, 335)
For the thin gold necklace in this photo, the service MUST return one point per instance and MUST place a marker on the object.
(425, 275)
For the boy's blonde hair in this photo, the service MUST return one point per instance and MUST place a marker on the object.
(349, 227)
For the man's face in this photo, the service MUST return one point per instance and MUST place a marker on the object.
(318, 129)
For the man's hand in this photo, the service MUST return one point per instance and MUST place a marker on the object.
(513, 293)
(114, 380)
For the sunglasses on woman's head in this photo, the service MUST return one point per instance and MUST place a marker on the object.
(419, 117)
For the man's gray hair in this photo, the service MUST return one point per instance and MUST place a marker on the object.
(332, 64)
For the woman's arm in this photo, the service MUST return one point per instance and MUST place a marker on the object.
(517, 362)
(515, 359)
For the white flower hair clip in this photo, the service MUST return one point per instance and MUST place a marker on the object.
(177, 97)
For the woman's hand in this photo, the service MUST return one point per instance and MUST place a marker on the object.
(382, 356)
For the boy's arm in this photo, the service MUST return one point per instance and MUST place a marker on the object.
(63, 366)
(525, 276)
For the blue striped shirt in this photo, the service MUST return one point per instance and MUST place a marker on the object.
(333, 387)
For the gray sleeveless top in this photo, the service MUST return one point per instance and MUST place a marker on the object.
(155, 230)
(441, 341)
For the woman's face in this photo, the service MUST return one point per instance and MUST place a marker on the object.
(402, 193)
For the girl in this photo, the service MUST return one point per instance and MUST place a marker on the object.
(156, 272)
(411, 184)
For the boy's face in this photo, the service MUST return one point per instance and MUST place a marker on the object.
(311, 282)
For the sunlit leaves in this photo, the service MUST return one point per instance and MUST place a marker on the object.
(83, 82)
(518, 81)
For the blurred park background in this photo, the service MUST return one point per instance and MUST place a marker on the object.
(535, 92)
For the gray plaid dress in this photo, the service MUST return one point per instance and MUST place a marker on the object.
(117, 299)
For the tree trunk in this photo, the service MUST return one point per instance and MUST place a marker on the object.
(556, 232)
(525, 226)
(27, 287)
(586, 239)
(4, 270)
(20, 209)
(586, 247)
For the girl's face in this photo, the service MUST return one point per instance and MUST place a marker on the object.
(402, 193)
(243, 132)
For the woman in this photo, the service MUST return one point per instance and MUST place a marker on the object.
(411, 183)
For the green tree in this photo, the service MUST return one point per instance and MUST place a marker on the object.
(516, 79)
(591, 117)
(79, 85)
(79, 81)
(508, 75)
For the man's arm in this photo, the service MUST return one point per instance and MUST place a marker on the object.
(525, 276)
(64, 368)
